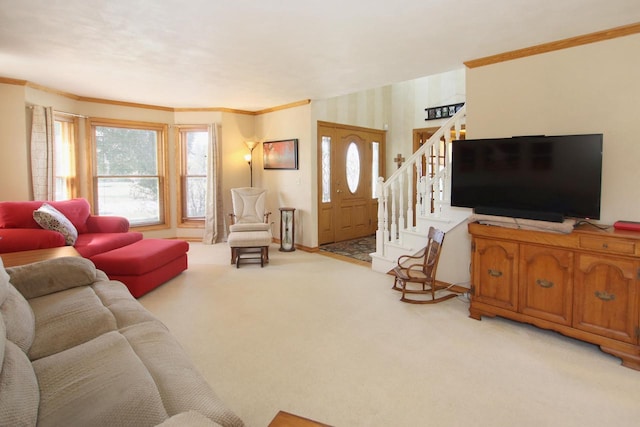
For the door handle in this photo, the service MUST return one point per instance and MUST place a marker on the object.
(495, 273)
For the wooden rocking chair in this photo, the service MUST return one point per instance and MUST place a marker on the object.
(421, 269)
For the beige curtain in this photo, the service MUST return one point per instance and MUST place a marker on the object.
(42, 166)
(214, 219)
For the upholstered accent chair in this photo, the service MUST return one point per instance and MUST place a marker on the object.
(249, 230)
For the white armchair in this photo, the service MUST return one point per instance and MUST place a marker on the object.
(249, 231)
(249, 213)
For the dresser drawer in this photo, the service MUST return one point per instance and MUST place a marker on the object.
(608, 245)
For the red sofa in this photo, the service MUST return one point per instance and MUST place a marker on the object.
(142, 264)
(96, 234)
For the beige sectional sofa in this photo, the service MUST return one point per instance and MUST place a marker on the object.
(78, 349)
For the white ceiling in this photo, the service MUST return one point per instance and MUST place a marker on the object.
(252, 54)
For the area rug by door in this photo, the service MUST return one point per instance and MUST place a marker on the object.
(357, 248)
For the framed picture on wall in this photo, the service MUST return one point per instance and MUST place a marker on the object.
(280, 154)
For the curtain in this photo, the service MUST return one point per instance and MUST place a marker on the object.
(42, 133)
(213, 222)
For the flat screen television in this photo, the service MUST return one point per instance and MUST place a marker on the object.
(535, 177)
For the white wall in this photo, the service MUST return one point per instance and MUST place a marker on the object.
(408, 103)
(15, 182)
(593, 88)
(289, 188)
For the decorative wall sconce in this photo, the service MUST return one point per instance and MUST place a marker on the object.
(249, 157)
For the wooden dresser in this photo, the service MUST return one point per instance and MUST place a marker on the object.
(584, 284)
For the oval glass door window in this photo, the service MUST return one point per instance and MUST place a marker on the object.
(353, 167)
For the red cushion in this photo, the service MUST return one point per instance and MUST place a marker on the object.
(141, 257)
(141, 284)
(22, 239)
(76, 210)
(20, 214)
(90, 244)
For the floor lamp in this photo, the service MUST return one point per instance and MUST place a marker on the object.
(249, 157)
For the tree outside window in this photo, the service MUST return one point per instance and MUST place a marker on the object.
(129, 170)
(193, 144)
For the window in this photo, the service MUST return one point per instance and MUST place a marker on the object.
(375, 168)
(128, 169)
(65, 157)
(193, 143)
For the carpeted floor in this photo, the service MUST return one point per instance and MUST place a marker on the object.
(330, 341)
(357, 248)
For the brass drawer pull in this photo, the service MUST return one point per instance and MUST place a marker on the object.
(605, 296)
(495, 273)
(544, 283)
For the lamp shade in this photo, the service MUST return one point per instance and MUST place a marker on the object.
(251, 144)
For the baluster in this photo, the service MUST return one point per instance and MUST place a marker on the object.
(418, 167)
(381, 209)
(394, 222)
(410, 223)
(385, 228)
(401, 219)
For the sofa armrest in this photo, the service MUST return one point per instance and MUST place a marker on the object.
(54, 275)
(107, 224)
(189, 419)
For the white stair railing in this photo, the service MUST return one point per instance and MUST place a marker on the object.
(395, 214)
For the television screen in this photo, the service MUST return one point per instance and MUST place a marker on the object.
(537, 177)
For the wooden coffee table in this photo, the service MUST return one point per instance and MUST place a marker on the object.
(285, 419)
(11, 259)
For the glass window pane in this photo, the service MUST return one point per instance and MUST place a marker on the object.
(353, 167)
(197, 142)
(326, 169)
(137, 199)
(375, 168)
(196, 191)
(121, 151)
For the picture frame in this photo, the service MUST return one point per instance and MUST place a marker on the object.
(442, 112)
(281, 154)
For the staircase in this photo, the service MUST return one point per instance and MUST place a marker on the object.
(404, 214)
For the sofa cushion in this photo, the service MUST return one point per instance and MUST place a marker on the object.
(19, 319)
(99, 383)
(58, 274)
(90, 244)
(182, 388)
(76, 210)
(117, 298)
(189, 418)
(68, 318)
(50, 218)
(16, 313)
(20, 214)
(140, 257)
(23, 239)
(19, 395)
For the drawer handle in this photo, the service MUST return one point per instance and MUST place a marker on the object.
(605, 246)
(544, 283)
(605, 296)
(495, 273)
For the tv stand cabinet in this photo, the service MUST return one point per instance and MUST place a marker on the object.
(584, 285)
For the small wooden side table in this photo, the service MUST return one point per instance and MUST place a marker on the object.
(285, 419)
(12, 259)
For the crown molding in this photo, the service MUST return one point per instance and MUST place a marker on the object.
(26, 83)
(612, 33)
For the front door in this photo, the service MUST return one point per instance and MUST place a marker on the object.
(352, 183)
(348, 159)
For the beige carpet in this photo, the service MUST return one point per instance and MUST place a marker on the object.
(329, 340)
